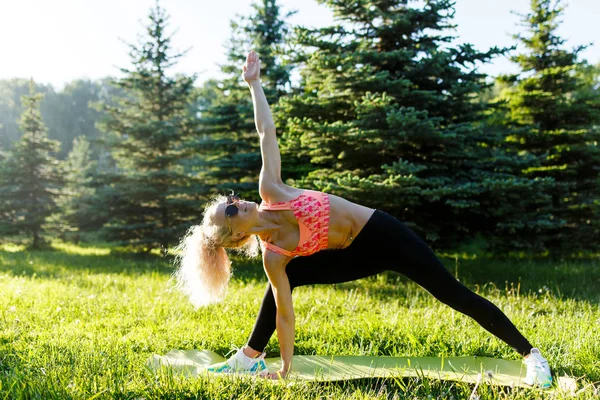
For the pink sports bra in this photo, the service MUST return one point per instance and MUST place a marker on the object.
(311, 210)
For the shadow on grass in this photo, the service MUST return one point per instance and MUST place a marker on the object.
(577, 279)
(57, 264)
(54, 263)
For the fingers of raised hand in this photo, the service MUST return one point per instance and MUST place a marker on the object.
(251, 68)
(252, 56)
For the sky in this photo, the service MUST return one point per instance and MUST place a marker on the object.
(57, 41)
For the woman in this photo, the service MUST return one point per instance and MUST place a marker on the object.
(313, 238)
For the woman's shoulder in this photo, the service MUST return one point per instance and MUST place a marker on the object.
(278, 193)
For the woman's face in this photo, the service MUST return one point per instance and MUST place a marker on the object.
(238, 215)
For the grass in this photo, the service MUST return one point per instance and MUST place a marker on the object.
(80, 322)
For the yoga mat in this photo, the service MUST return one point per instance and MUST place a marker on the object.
(193, 363)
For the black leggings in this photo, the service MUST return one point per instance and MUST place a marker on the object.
(385, 243)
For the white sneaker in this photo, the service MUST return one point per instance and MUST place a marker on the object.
(239, 363)
(538, 371)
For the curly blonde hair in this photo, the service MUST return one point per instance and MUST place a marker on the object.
(203, 266)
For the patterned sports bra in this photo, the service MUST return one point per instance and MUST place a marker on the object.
(311, 210)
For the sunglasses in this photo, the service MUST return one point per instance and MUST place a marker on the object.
(232, 205)
(232, 208)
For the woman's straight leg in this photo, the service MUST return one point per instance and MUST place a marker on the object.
(417, 261)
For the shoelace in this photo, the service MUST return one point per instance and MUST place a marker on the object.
(234, 349)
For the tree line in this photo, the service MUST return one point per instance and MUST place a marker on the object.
(388, 111)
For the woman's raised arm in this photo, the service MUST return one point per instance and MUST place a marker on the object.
(270, 174)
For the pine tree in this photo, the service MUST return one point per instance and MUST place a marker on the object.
(66, 113)
(388, 117)
(151, 200)
(229, 144)
(30, 177)
(78, 213)
(555, 111)
(5, 214)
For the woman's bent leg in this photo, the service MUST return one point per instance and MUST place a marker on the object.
(328, 266)
(265, 322)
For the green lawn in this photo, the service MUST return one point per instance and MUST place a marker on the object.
(80, 322)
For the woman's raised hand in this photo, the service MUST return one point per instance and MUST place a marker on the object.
(251, 69)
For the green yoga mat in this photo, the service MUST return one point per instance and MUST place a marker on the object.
(335, 368)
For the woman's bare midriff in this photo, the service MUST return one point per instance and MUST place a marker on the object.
(346, 220)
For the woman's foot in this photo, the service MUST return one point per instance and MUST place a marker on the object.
(239, 363)
(538, 371)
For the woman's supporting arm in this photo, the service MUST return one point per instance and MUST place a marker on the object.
(274, 265)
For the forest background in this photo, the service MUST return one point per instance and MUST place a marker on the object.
(382, 107)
